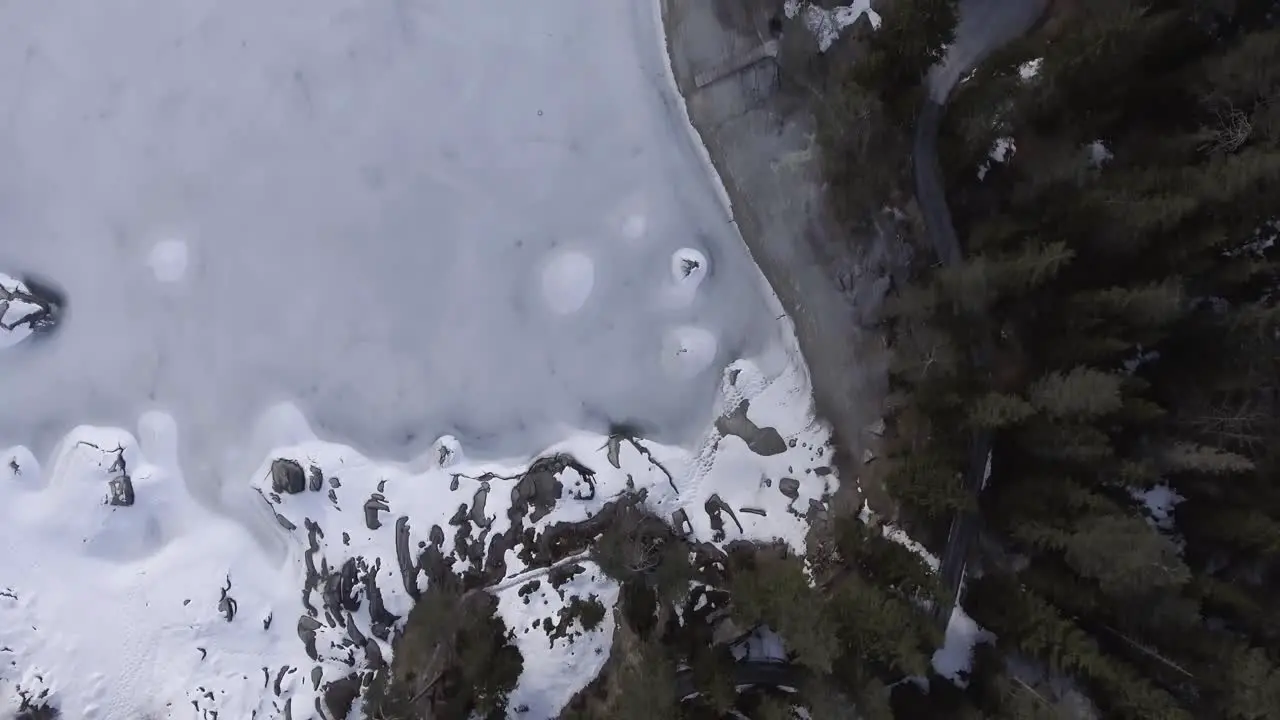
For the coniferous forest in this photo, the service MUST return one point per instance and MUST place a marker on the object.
(1111, 336)
(1110, 341)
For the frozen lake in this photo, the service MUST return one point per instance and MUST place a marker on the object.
(410, 217)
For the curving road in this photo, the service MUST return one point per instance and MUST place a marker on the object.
(985, 26)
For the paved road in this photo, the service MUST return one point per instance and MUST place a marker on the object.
(985, 26)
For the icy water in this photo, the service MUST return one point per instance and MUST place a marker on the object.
(408, 217)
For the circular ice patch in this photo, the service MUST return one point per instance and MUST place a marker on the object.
(168, 260)
(634, 226)
(688, 350)
(567, 280)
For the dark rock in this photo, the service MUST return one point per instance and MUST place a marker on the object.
(789, 487)
(287, 477)
(753, 511)
(284, 670)
(715, 507)
(459, 516)
(477, 506)
(436, 536)
(539, 487)
(311, 574)
(350, 575)
(227, 605)
(381, 620)
(353, 632)
(761, 441)
(307, 627)
(373, 656)
(121, 488)
(340, 695)
(404, 558)
(376, 503)
(680, 522)
(285, 523)
(316, 479)
(562, 574)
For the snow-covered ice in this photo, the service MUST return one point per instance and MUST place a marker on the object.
(387, 210)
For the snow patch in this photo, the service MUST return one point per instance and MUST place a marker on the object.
(555, 669)
(1028, 70)
(1001, 150)
(1099, 153)
(896, 534)
(955, 658)
(827, 24)
(1160, 502)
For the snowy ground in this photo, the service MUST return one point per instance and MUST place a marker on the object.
(163, 608)
(290, 229)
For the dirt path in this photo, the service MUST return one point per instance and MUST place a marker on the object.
(763, 145)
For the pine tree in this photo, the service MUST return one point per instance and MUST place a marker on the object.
(769, 587)
(1080, 393)
(1125, 555)
(993, 411)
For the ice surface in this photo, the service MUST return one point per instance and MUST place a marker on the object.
(409, 218)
